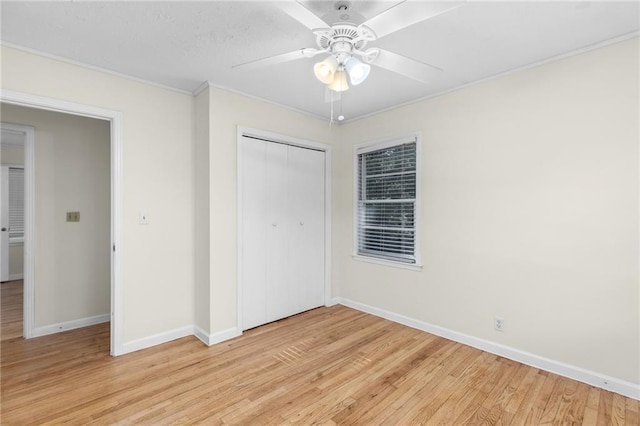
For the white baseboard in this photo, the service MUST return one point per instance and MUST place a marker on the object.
(178, 333)
(69, 325)
(156, 339)
(218, 337)
(612, 384)
(332, 301)
(13, 277)
(202, 335)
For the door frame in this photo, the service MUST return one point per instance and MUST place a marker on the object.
(25, 133)
(116, 135)
(288, 140)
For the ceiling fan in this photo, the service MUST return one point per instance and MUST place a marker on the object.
(345, 43)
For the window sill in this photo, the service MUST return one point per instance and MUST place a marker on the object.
(384, 262)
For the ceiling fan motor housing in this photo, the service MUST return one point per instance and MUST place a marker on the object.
(343, 40)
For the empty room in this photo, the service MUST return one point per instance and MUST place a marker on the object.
(320, 212)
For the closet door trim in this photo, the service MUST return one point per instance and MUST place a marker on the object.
(287, 140)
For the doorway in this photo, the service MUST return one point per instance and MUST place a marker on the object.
(12, 142)
(114, 123)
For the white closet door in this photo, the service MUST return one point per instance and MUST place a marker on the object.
(283, 234)
(278, 296)
(254, 232)
(306, 239)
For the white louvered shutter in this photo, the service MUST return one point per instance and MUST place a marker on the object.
(16, 202)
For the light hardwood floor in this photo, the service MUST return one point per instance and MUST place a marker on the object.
(330, 365)
(11, 313)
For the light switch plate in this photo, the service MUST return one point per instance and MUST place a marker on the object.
(73, 216)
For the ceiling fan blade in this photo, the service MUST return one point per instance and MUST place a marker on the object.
(408, 67)
(406, 13)
(303, 15)
(278, 59)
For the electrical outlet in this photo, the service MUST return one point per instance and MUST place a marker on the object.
(498, 323)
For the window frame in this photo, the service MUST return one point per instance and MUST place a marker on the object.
(370, 146)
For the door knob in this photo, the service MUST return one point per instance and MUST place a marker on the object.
(4, 229)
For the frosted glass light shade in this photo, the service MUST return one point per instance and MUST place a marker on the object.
(326, 69)
(339, 83)
(358, 72)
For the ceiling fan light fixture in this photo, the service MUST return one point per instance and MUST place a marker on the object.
(339, 83)
(326, 69)
(358, 71)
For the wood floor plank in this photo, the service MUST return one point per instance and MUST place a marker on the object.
(618, 410)
(553, 401)
(498, 399)
(591, 407)
(632, 412)
(575, 410)
(521, 391)
(604, 408)
(11, 315)
(524, 410)
(327, 366)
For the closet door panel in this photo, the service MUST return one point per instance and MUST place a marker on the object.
(278, 294)
(306, 239)
(254, 236)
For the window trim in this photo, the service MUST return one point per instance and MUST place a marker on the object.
(375, 145)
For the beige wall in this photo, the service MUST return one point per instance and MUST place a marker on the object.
(72, 260)
(202, 224)
(157, 259)
(12, 155)
(228, 110)
(530, 212)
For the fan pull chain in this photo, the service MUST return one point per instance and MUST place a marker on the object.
(331, 121)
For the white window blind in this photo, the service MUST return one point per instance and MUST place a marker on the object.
(387, 203)
(16, 202)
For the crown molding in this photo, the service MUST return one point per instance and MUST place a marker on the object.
(92, 67)
(208, 84)
(552, 59)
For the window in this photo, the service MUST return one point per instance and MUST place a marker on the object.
(387, 187)
(16, 204)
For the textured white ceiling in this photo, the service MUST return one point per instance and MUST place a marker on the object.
(182, 44)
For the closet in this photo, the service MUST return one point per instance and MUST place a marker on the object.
(282, 229)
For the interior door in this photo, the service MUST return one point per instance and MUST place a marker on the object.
(306, 214)
(4, 224)
(279, 297)
(254, 236)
